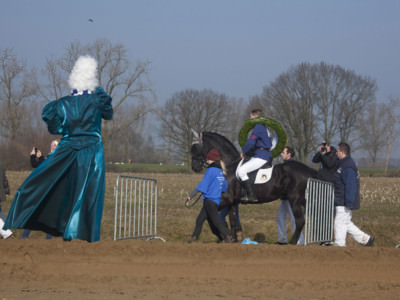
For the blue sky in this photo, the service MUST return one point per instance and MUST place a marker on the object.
(232, 47)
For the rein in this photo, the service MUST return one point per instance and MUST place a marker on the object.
(204, 163)
(192, 202)
(234, 162)
(202, 160)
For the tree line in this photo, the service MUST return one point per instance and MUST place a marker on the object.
(313, 102)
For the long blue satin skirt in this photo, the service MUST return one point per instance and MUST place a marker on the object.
(64, 196)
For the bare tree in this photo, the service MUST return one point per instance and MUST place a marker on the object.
(392, 133)
(236, 117)
(374, 129)
(290, 100)
(355, 93)
(190, 109)
(17, 87)
(55, 80)
(316, 102)
(327, 82)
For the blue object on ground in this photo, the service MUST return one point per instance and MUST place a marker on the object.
(248, 241)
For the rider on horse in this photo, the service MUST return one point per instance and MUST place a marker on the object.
(258, 143)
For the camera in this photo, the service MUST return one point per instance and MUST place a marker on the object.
(323, 148)
(35, 149)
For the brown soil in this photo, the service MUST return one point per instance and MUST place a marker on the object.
(134, 269)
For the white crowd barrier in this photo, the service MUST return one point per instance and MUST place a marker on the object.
(135, 208)
(319, 212)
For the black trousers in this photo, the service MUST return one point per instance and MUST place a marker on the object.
(209, 212)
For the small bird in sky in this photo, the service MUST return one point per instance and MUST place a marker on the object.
(91, 20)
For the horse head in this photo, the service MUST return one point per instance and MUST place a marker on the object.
(204, 142)
(198, 157)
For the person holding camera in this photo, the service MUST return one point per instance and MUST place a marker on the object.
(328, 160)
(36, 157)
(326, 155)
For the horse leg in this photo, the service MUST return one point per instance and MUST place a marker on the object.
(236, 227)
(232, 222)
(299, 219)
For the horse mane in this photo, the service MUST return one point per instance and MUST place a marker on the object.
(301, 167)
(227, 144)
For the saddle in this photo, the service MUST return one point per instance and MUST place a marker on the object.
(260, 176)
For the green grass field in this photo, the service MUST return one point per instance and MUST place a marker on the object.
(379, 213)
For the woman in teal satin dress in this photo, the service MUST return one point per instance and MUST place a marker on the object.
(64, 196)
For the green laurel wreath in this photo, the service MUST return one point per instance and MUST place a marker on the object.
(268, 122)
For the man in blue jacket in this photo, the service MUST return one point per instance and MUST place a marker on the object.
(347, 199)
(258, 143)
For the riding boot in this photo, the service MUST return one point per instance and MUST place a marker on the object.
(250, 196)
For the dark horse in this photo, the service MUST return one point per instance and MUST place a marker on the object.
(288, 180)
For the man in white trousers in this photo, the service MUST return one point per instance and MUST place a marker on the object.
(347, 199)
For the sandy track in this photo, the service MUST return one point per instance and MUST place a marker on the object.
(53, 269)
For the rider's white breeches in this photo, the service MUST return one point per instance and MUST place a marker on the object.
(253, 164)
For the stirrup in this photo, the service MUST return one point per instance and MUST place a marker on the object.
(247, 200)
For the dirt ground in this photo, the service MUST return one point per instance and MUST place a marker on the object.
(134, 269)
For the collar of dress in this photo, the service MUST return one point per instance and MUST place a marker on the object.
(76, 92)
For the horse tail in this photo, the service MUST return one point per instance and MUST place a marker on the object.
(223, 166)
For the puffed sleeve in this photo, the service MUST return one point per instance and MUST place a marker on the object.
(107, 113)
(52, 117)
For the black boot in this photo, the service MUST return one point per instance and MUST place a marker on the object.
(251, 197)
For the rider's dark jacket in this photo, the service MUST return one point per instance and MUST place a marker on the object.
(347, 184)
(259, 143)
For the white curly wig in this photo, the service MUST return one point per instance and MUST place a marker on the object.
(84, 74)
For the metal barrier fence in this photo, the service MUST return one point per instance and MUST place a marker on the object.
(319, 212)
(135, 208)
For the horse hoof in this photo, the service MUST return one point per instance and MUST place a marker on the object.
(227, 239)
(192, 239)
(239, 236)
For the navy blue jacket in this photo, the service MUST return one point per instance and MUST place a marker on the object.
(259, 142)
(347, 184)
